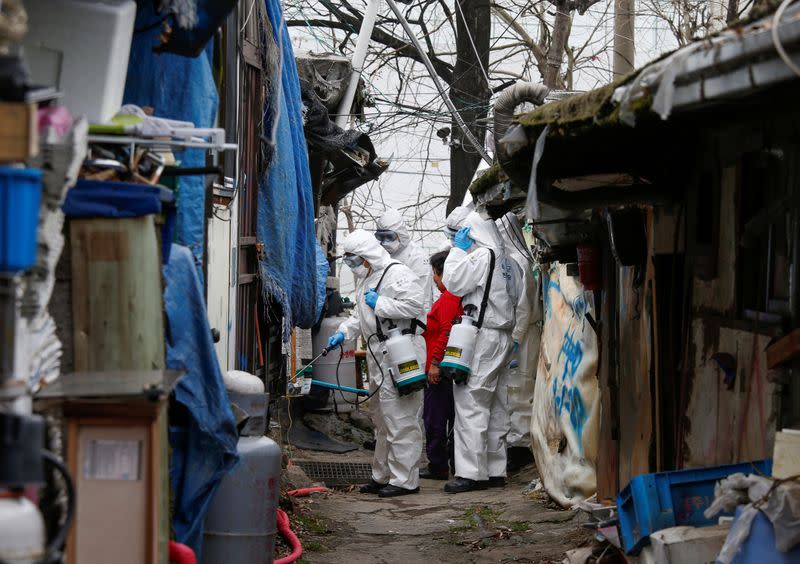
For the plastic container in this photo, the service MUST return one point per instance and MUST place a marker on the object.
(20, 194)
(760, 545)
(81, 47)
(242, 518)
(651, 502)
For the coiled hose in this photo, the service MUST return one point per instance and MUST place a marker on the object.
(285, 529)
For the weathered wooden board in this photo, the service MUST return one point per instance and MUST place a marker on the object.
(635, 313)
(786, 456)
(719, 295)
(729, 425)
(117, 295)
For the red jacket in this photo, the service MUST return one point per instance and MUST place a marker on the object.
(440, 318)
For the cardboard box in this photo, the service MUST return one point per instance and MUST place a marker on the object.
(19, 139)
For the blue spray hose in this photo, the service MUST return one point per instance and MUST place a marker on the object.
(328, 385)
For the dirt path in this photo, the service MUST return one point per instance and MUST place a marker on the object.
(498, 525)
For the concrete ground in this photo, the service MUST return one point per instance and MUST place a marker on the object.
(497, 525)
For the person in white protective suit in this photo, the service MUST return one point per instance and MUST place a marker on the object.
(389, 290)
(481, 422)
(454, 222)
(525, 351)
(393, 235)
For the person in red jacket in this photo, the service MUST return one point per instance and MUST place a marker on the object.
(439, 409)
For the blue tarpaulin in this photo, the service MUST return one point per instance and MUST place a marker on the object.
(181, 88)
(204, 440)
(289, 268)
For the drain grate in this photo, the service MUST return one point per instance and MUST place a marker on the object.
(336, 473)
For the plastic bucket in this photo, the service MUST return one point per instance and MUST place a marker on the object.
(20, 195)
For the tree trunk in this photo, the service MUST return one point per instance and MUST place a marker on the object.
(469, 92)
(733, 11)
(624, 50)
(558, 43)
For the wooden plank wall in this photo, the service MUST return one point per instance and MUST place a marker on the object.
(736, 424)
(635, 345)
(117, 295)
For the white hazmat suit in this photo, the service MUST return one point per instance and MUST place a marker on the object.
(527, 333)
(398, 433)
(481, 422)
(408, 252)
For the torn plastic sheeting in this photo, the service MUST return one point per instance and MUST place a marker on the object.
(289, 265)
(178, 88)
(780, 505)
(532, 203)
(566, 401)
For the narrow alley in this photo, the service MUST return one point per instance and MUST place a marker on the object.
(497, 525)
(399, 281)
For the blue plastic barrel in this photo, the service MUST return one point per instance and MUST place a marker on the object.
(20, 195)
(759, 548)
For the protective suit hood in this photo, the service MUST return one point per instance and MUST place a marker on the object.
(510, 229)
(483, 232)
(455, 220)
(391, 220)
(364, 244)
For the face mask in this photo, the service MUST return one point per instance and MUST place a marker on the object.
(391, 246)
(359, 271)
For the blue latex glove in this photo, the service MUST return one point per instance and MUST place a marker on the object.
(336, 339)
(515, 359)
(462, 239)
(371, 298)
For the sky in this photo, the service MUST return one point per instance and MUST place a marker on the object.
(417, 181)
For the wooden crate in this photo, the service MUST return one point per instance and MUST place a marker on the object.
(19, 139)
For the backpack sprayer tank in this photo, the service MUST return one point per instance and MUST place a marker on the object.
(405, 369)
(457, 362)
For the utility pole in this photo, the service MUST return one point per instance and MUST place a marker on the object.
(624, 51)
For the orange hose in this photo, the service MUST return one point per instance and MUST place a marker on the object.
(302, 492)
(286, 531)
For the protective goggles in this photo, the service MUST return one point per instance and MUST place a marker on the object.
(449, 232)
(385, 236)
(352, 260)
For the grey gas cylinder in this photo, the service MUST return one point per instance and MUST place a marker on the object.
(241, 523)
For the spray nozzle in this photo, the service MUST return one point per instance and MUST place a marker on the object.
(470, 310)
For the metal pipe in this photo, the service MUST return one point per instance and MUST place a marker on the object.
(359, 56)
(445, 98)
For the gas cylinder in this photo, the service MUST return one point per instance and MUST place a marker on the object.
(241, 523)
(325, 368)
(408, 375)
(22, 535)
(457, 362)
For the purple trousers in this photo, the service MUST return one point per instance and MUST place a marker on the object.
(439, 414)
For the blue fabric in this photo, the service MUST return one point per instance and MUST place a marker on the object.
(178, 88)
(90, 198)
(113, 199)
(204, 445)
(323, 268)
(285, 202)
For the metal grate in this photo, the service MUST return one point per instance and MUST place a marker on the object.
(336, 473)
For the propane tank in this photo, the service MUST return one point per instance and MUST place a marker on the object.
(22, 536)
(241, 522)
(409, 376)
(457, 362)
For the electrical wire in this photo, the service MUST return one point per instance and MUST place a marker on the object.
(380, 368)
(776, 38)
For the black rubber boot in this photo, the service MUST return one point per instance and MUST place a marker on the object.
(394, 491)
(497, 482)
(372, 488)
(426, 474)
(461, 485)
